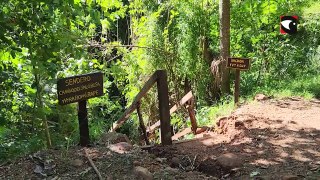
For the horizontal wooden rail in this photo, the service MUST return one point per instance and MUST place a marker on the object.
(188, 131)
(181, 133)
(183, 101)
(152, 80)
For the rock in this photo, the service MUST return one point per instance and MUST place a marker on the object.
(229, 161)
(121, 147)
(114, 138)
(136, 163)
(261, 97)
(175, 162)
(142, 173)
(171, 170)
(77, 162)
(161, 160)
(290, 177)
(38, 169)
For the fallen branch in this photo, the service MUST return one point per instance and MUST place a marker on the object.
(92, 164)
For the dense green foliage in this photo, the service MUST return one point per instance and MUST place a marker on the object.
(41, 41)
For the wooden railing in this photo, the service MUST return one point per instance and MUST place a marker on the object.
(188, 102)
(160, 76)
(187, 98)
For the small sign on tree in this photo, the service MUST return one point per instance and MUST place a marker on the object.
(79, 89)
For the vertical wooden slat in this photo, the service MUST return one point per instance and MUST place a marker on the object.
(142, 126)
(192, 115)
(164, 110)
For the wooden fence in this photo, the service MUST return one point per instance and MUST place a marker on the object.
(160, 77)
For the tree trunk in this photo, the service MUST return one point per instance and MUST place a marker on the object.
(224, 13)
(40, 106)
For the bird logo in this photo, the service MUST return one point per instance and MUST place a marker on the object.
(288, 24)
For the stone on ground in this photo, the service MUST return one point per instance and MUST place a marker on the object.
(229, 161)
(121, 147)
(175, 162)
(114, 138)
(77, 162)
(261, 97)
(142, 173)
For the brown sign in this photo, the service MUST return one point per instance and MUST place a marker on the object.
(238, 63)
(78, 88)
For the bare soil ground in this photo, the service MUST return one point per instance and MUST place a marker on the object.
(271, 139)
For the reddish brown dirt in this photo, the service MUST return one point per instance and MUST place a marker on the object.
(273, 139)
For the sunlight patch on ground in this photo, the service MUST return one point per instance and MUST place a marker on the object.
(264, 162)
(299, 155)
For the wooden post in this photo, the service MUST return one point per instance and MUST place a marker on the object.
(83, 123)
(237, 87)
(192, 116)
(164, 109)
(142, 126)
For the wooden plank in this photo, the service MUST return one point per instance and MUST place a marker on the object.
(184, 100)
(192, 116)
(147, 147)
(187, 131)
(153, 127)
(164, 110)
(202, 129)
(147, 86)
(142, 126)
(181, 133)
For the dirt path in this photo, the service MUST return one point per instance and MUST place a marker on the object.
(273, 139)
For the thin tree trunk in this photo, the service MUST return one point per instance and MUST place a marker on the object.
(142, 126)
(43, 116)
(38, 99)
(224, 12)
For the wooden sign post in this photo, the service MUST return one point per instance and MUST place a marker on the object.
(79, 89)
(239, 64)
